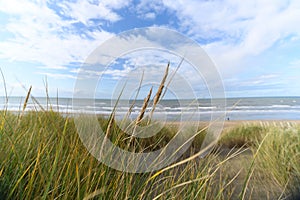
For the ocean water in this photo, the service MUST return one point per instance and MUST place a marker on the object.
(262, 108)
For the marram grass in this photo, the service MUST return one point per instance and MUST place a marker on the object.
(42, 157)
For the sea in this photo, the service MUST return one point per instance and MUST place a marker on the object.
(254, 108)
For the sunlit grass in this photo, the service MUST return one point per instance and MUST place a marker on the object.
(43, 157)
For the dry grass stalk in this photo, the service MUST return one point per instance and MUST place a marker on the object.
(159, 91)
(172, 76)
(5, 90)
(110, 124)
(161, 87)
(133, 104)
(6, 101)
(141, 115)
(108, 131)
(25, 103)
(145, 105)
(27, 98)
(32, 98)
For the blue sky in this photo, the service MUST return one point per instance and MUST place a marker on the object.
(255, 44)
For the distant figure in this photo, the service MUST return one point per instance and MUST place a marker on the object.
(228, 119)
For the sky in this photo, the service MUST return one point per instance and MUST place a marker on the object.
(254, 44)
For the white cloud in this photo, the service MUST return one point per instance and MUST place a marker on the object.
(255, 85)
(115, 4)
(235, 30)
(40, 36)
(150, 15)
(53, 67)
(57, 75)
(148, 9)
(83, 11)
(295, 64)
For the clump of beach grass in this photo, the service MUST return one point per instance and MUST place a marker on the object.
(279, 159)
(242, 136)
(273, 168)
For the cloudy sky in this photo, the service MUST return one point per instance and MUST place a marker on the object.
(255, 44)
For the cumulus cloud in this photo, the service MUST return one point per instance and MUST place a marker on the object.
(233, 30)
(84, 11)
(57, 75)
(40, 35)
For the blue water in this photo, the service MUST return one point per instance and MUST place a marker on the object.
(262, 108)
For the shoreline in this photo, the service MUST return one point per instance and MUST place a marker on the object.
(202, 122)
(228, 124)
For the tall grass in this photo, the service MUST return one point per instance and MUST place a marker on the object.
(275, 165)
(42, 157)
(279, 159)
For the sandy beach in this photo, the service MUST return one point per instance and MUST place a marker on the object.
(236, 123)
